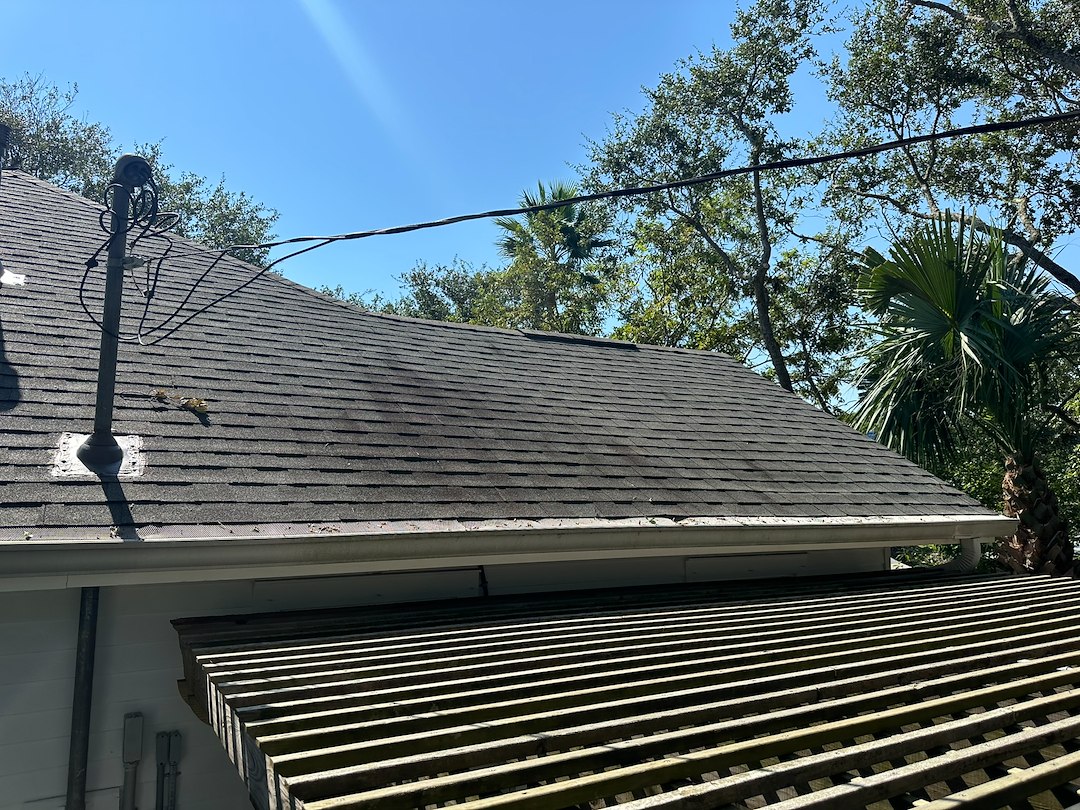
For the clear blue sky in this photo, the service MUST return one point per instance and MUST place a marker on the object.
(355, 114)
(347, 115)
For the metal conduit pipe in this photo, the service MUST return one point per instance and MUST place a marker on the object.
(5, 139)
(82, 697)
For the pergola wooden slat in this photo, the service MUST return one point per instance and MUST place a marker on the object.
(884, 691)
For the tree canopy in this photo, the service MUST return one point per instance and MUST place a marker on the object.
(921, 66)
(763, 266)
(725, 266)
(973, 345)
(561, 274)
(50, 142)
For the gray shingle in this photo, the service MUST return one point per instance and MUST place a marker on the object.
(322, 412)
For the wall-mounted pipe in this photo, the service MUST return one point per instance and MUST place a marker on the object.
(168, 761)
(85, 645)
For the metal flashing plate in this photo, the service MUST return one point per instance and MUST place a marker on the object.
(7, 278)
(66, 463)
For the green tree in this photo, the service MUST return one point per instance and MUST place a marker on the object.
(561, 273)
(972, 344)
(1034, 44)
(732, 254)
(684, 296)
(51, 143)
(976, 466)
(434, 292)
(920, 66)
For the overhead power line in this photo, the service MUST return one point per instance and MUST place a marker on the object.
(776, 165)
(168, 327)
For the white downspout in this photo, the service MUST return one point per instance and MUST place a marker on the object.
(968, 558)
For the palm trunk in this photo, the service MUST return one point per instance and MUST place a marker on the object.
(1041, 544)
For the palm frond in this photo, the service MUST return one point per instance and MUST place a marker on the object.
(964, 332)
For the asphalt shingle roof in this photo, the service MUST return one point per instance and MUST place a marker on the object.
(323, 414)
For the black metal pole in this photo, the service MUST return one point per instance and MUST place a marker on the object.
(110, 319)
(101, 449)
(5, 139)
(82, 696)
(101, 452)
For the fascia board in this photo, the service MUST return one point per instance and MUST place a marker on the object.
(46, 564)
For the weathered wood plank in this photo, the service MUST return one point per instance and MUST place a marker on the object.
(446, 619)
(629, 674)
(403, 715)
(784, 618)
(950, 764)
(569, 643)
(621, 766)
(309, 774)
(861, 756)
(554, 701)
(1014, 787)
(631, 717)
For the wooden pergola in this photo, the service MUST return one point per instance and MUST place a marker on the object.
(880, 691)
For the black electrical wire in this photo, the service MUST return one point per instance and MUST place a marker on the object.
(224, 252)
(153, 275)
(323, 241)
(144, 217)
(92, 262)
(776, 165)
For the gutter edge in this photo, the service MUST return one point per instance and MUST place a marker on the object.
(44, 565)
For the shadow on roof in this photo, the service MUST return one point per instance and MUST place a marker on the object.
(119, 509)
(10, 393)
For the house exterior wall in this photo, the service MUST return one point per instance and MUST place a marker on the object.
(136, 669)
(565, 576)
(138, 659)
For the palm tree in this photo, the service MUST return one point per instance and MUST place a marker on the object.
(567, 235)
(552, 257)
(970, 341)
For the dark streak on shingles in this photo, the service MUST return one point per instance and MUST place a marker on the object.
(322, 412)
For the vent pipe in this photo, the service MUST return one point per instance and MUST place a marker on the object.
(100, 452)
(5, 139)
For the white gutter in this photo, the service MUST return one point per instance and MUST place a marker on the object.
(51, 564)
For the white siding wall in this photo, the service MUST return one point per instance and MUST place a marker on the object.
(137, 667)
(562, 576)
(138, 660)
